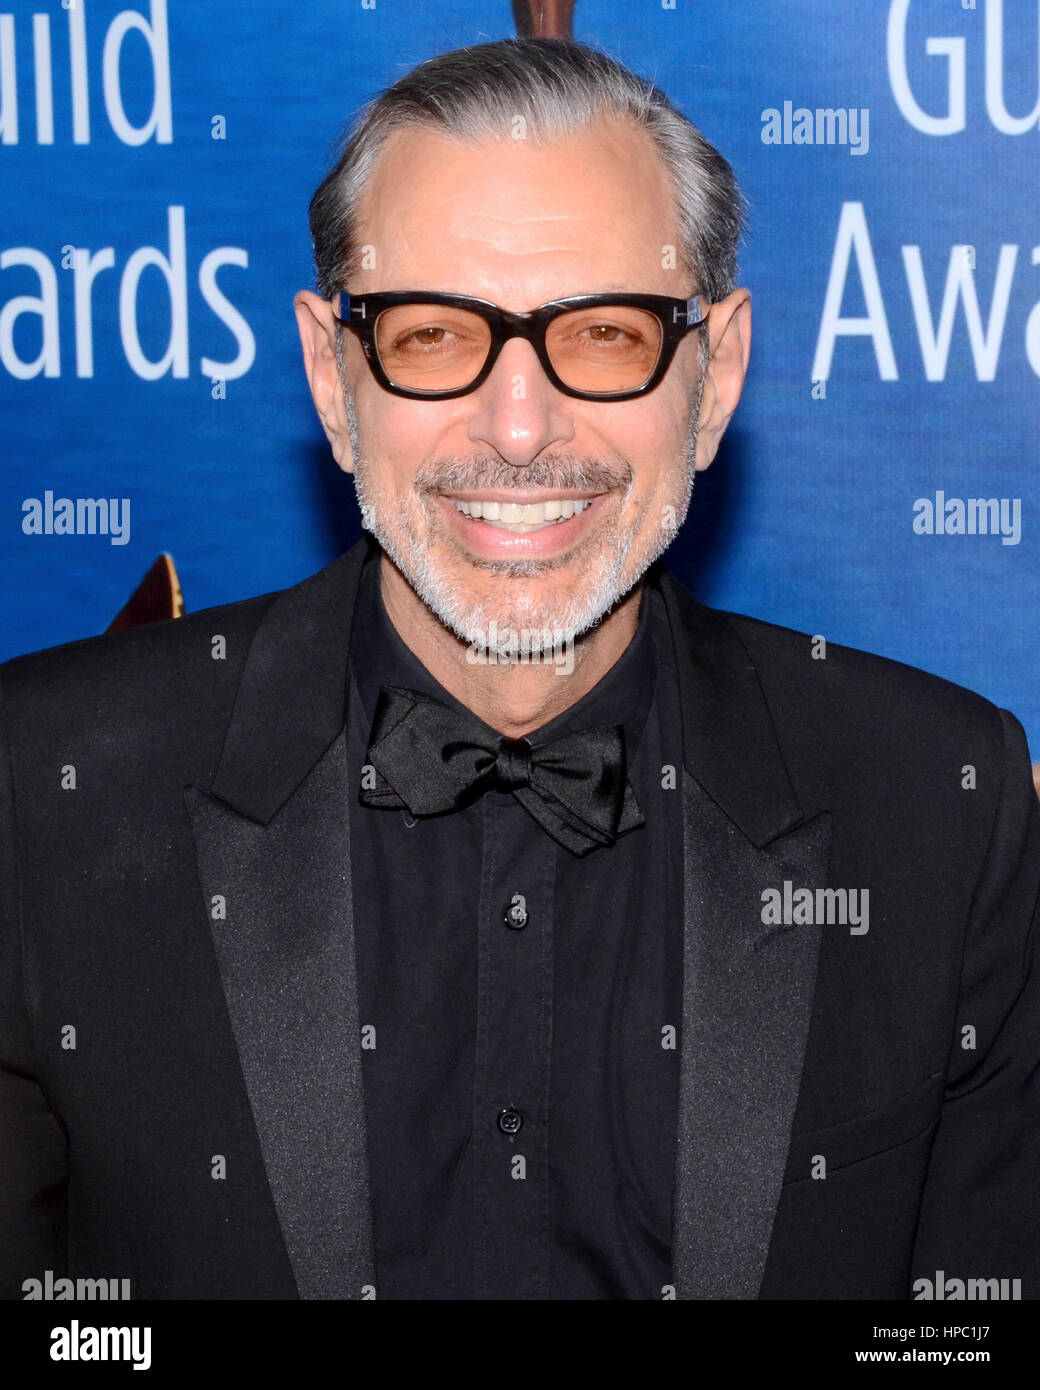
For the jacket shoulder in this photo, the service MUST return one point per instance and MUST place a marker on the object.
(896, 746)
(136, 687)
(169, 638)
(856, 686)
(869, 731)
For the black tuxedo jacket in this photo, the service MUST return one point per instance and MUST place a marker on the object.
(180, 1075)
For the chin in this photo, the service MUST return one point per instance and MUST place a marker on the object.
(473, 597)
(474, 606)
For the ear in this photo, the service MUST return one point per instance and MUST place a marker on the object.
(729, 345)
(317, 325)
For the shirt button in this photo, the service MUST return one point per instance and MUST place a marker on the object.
(510, 1121)
(516, 916)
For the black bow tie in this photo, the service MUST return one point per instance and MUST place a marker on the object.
(430, 758)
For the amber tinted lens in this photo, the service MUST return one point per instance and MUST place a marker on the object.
(606, 349)
(431, 347)
(437, 347)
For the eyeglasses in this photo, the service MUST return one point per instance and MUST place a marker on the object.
(597, 347)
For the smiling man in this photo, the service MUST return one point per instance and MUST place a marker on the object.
(590, 422)
(355, 949)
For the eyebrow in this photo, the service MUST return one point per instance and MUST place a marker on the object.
(606, 289)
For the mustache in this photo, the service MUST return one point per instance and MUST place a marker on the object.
(562, 473)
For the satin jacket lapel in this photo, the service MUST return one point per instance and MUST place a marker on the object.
(272, 836)
(747, 998)
(747, 987)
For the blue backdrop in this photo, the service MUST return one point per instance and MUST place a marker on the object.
(156, 163)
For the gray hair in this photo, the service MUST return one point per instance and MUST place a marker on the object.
(557, 86)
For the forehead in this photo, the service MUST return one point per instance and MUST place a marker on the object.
(512, 219)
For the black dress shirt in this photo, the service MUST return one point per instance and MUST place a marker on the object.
(520, 1009)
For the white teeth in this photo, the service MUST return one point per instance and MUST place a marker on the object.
(524, 516)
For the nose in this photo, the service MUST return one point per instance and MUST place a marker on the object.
(518, 412)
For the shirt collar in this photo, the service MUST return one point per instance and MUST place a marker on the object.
(379, 656)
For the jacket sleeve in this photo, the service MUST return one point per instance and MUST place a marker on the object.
(33, 1149)
(980, 1214)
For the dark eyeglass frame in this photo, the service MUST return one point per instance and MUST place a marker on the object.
(677, 317)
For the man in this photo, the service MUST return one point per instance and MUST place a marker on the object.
(484, 917)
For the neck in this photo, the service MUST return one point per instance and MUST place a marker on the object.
(513, 697)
